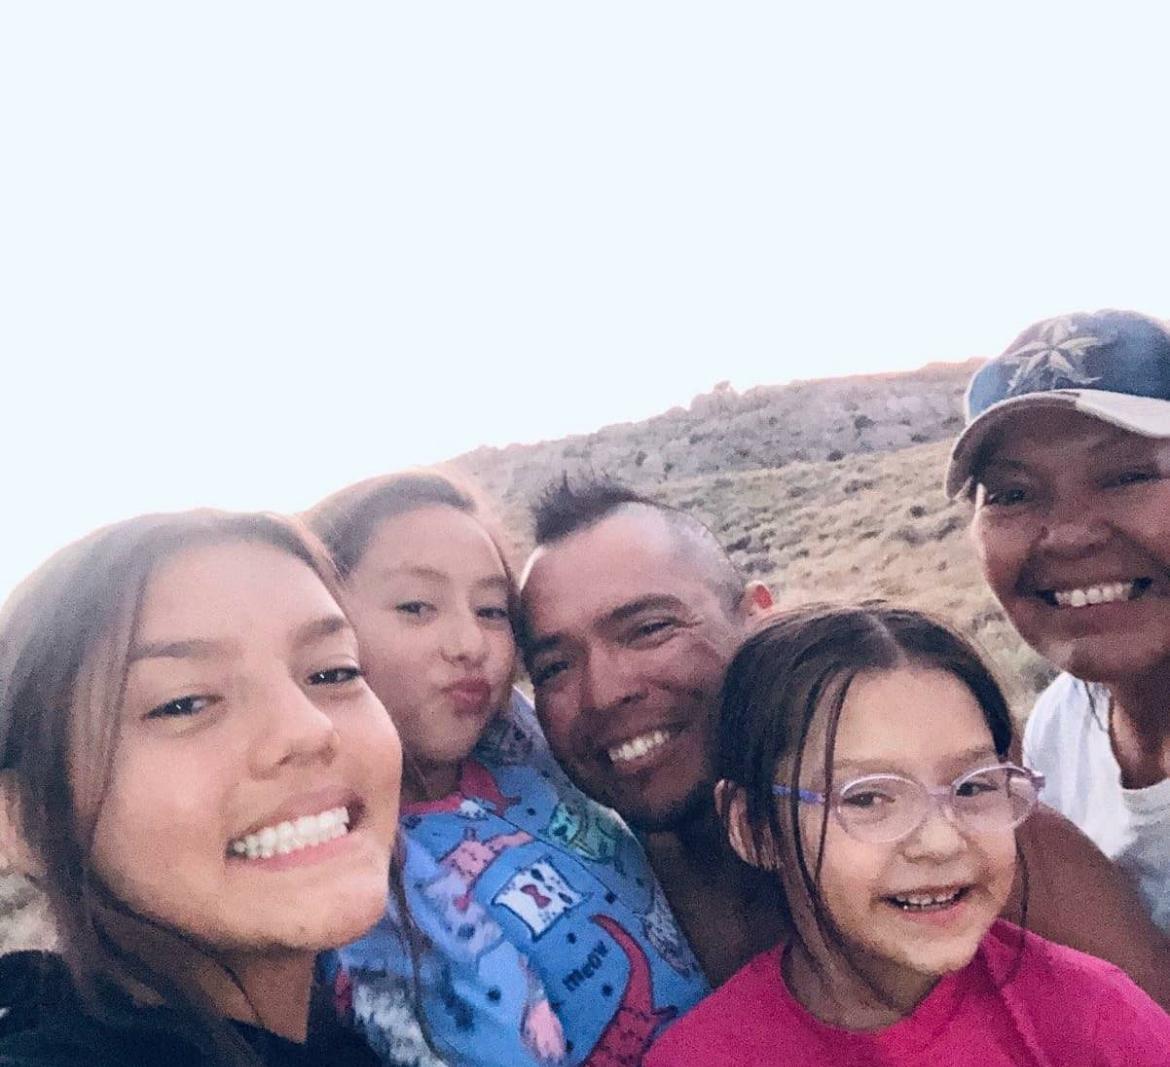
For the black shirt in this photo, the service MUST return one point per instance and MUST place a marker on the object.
(44, 1025)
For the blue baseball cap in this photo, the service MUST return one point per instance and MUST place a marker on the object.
(1110, 365)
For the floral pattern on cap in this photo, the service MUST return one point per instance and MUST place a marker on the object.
(1054, 360)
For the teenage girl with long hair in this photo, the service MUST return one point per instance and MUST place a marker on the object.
(194, 770)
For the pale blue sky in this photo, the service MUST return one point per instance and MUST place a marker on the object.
(252, 251)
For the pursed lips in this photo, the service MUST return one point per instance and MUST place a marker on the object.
(471, 693)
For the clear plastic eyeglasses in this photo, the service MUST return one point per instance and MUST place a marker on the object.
(883, 808)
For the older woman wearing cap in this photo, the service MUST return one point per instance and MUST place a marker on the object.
(1066, 457)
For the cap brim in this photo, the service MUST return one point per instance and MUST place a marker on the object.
(1145, 415)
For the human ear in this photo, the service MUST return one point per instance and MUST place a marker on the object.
(756, 601)
(14, 852)
(731, 803)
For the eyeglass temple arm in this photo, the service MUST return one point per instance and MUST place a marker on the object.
(807, 795)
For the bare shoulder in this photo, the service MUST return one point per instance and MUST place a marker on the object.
(1077, 896)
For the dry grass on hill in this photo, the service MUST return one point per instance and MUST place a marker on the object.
(874, 525)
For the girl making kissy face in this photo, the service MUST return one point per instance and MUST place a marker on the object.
(549, 940)
(863, 757)
(196, 773)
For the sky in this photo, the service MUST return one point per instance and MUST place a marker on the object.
(253, 251)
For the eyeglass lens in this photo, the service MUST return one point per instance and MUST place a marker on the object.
(887, 807)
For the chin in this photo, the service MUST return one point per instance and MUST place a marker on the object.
(925, 953)
(946, 959)
(667, 815)
(351, 918)
(1102, 661)
(897, 963)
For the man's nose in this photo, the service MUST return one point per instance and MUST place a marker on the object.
(610, 682)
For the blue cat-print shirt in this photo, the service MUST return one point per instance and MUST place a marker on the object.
(547, 938)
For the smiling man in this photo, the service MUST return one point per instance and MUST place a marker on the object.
(632, 612)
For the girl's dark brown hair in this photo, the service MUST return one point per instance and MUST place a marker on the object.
(800, 663)
(346, 520)
(65, 641)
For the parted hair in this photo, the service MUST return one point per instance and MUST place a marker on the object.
(346, 520)
(66, 636)
(802, 662)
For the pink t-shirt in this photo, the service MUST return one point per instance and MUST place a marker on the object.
(1060, 1009)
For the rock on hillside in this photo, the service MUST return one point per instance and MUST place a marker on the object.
(724, 431)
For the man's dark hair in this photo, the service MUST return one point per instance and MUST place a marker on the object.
(565, 508)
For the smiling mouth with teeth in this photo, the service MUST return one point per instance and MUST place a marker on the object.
(927, 901)
(292, 836)
(637, 747)
(1087, 596)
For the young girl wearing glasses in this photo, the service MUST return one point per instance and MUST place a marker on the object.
(862, 756)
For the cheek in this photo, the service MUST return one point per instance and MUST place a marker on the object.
(1154, 535)
(502, 658)
(556, 717)
(999, 856)
(377, 750)
(852, 875)
(850, 872)
(160, 818)
(395, 663)
(999, 555)
(699, 664)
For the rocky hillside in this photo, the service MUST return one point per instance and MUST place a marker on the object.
(765, 428)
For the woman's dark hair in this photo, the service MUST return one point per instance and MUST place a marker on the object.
(65, 640)
(802, 662)
(345, 521)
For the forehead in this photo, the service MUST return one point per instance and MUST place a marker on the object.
(439, 537)
(230, 589)
(574, 583)
(1036, 436)
(909, 718)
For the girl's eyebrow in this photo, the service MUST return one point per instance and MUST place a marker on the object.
(414, 572)
(434, 575)
(884, 766)
(192, 648)
(205, 648)
(317, 629)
